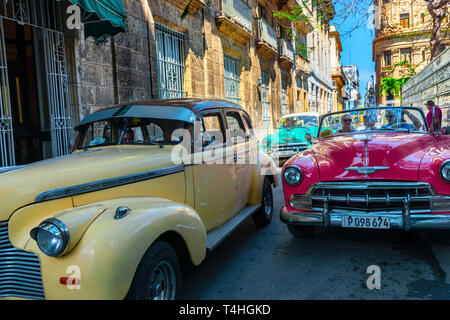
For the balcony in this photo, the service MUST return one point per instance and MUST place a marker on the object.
(267, 42)
(194, 5)
(287, 54)
(234, 18)
(338, 75)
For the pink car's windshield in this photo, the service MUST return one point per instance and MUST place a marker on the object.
(382, 119)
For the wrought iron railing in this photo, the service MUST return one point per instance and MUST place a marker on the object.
(267, 33)
(238, 10)
(287, 49)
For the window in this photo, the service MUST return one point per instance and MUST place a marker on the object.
(212, 130)
(235, 126)
(232, 78)
(387, 58)
(170, 60)
(284, 97)
(265, 81)
(155, 132)
(404, 20)
(405, 54)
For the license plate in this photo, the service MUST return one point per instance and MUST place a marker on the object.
(377, 222)
(285, 153)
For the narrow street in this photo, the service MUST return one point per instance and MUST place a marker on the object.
(270, 263)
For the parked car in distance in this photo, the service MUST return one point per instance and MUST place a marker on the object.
(389, 172)
(293, 135)
(121, 215)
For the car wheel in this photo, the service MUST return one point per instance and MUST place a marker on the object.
(301, 231)
(263, 216)
(158, 276)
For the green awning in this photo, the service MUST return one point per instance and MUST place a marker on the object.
(102, 17)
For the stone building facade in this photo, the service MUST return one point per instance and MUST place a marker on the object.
(352, 86)
(432, 83)
(320, 86)
(337, 74)
(229, 49)
(403, 33)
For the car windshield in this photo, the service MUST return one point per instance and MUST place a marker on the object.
(382, 119)
(140, 131)
(299, 121)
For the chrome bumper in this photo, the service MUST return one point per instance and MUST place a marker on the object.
(402, 220)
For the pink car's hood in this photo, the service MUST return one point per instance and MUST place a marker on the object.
(401, 153)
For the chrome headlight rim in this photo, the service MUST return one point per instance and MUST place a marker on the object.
(293, 167)
(441, 170)
(64, 235)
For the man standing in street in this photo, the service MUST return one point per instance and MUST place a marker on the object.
(434, 116)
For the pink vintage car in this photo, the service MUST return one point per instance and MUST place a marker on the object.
(370, 168)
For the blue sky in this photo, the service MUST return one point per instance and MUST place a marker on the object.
(357, 50)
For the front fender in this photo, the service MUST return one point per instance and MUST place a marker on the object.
(429, 170)
(110, 250)
(265, 166)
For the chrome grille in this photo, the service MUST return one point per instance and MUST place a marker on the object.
(291, 147)
(20, 271)
(373, 196)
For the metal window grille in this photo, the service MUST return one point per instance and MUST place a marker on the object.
(170, 45)
(283, 96)
(232, 78)
(6, 129)
(45, 15)
(265, 99)
(58, 94)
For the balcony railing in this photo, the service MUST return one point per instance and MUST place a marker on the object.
(287, 49)
(266, 33)
(237, 10)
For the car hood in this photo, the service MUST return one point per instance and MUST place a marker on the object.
(291, 135)
(397, 156)
(20, 187)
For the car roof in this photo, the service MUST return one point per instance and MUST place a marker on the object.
(193, 104)
(301, 114)
(177, 109)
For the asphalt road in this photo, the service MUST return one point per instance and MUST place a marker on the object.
(270, 263)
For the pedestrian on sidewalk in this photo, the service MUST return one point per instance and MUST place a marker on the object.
(434, 116)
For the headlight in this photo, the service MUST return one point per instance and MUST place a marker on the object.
(51, 236)
(292, 175)
(445, 170)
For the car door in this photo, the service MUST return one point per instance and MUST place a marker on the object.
(214, 173)
(238, 137)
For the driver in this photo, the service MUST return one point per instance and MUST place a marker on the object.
(393, 122)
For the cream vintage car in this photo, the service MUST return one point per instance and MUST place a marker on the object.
(136, 200)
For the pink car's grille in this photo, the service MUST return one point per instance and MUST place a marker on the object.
(20, 271)
(369, 198)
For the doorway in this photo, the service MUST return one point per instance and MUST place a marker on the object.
(31, 131)
(34, 105)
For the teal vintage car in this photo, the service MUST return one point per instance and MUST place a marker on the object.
(294, 134)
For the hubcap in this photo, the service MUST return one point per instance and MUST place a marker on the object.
(163, 282)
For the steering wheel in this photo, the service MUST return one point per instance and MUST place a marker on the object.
(153, 139)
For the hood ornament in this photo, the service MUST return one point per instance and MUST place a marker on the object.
(366, 169)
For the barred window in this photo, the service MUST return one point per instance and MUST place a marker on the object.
(170, 59)
(232, 78)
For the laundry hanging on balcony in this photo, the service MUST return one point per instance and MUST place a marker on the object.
(102, 17)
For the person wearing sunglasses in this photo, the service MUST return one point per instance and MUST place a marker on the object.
(394, 122)
(346, 122)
